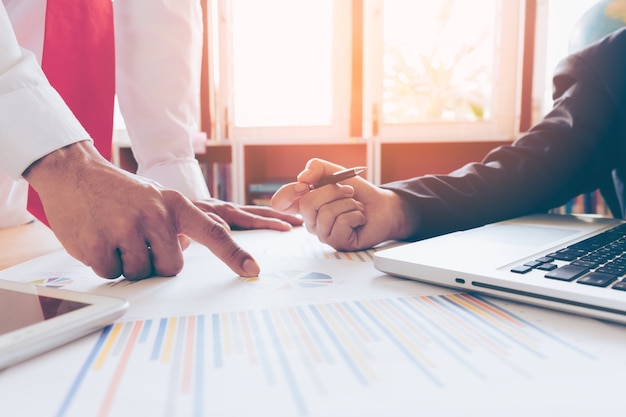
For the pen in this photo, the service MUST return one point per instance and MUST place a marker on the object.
(338, 176)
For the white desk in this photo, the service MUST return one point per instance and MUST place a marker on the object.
(318, 334)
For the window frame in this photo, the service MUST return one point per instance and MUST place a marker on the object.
(341, 59)
(503, 125)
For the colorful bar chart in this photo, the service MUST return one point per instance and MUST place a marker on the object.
(317, 250)
(359, 256)
(293, 357)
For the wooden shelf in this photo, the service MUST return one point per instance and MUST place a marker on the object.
(125, 159)
(282, 163)
(406, 160)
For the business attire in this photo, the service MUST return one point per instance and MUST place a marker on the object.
(34, 121)
(158, 61)
(578, 147)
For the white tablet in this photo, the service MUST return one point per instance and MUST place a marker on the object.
(34, 319)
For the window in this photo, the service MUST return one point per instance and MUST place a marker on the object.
(430, 69)
(285, 66)
(449, 69)
(438, 61)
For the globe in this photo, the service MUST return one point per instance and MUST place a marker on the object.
(601, 19)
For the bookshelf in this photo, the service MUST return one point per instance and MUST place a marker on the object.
(590, 203)
(249, 173)
(266, 167)
(215, 161)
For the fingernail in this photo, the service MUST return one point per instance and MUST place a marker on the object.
(304, 174)
(284, 225)
(251, 268)
(346, 189)
(301, 187)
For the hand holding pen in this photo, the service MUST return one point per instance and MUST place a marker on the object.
(352, 217)
(315, 176)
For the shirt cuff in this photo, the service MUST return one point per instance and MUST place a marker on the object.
(183, 175)
(13, 194)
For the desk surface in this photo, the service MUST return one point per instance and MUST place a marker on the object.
(319, 333)
(19, 244)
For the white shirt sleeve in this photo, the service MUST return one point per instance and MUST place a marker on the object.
(14, 194)
(158, 61)
(34, 120)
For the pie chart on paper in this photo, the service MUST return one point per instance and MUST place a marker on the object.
(314, 280)
(290, 280)
(55, 282)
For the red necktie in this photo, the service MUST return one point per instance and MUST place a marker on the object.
(79, 61)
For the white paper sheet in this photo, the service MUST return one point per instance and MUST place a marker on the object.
(317, 334)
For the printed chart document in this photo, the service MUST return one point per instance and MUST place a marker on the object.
(318, 333)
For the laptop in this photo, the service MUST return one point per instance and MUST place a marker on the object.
(572, 263)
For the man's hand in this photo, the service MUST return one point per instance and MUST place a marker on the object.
(121, 224)
(249, 217)
(350, 216)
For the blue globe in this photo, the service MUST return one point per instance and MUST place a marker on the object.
(604, 17)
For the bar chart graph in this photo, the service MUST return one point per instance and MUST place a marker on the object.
(359, 256)
(292, 357)
(317, 250)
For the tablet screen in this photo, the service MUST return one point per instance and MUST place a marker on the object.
(19, 309)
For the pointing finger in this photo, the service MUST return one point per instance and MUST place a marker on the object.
(191, 221)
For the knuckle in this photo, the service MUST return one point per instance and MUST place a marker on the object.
(173, 196)
(237, 252)
(108, 271)
(138, 272)
(169, 269)
(215, 231)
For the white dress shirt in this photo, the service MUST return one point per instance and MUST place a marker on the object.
(34, 121)
(158, 47)
(158, 58)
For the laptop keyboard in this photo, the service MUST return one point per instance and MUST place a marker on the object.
(599, 261)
